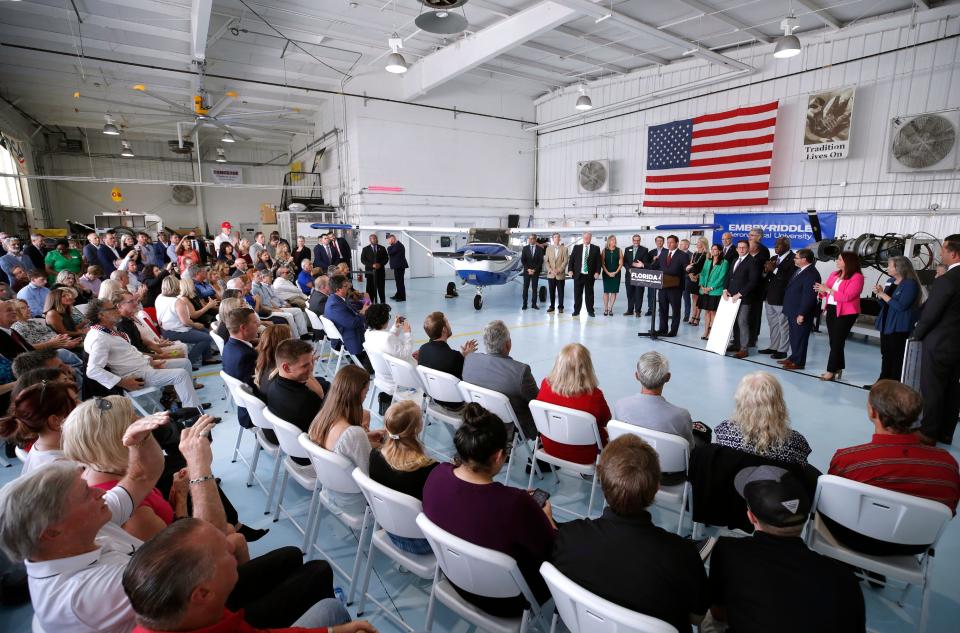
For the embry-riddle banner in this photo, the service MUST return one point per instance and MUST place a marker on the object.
(796, 226)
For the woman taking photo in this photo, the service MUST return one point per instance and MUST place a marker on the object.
(900, 298)
(612, 265)
(572, 383)
(402, 464)
(62, 315)
(36, 416)
(842, 292)
(713, 277)
(760, 423)
(343, 427)
(153, 277)
(174, 317)
(694, 269)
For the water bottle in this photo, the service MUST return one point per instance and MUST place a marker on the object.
(339, 595)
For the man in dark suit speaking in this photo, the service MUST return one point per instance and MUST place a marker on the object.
(584, 267)
(939, 329)
(531, 258)
(673, 263)
(800, 307)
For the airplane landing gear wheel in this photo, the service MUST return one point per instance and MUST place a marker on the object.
(477, 302)
(451, 290)
(543, 294)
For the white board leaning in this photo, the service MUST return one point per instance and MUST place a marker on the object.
(723, 324)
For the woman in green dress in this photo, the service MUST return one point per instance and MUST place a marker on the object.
(712, 279)
(612, 264)
(62, 258)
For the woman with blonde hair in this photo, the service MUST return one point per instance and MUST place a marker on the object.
(402, 464)
(174, 314)
(62, 315)
(572, 383)
(694, 268)
(270, 339)
(342, 426)
(760, 422)
(200, 310)
(108, 288)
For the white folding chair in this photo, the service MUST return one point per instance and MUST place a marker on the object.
(674, 454)
(393, 513)
(441, 387)
(303, 474)
(479, 570)
(319, 344)
(884, 515)
(567, 426)
(381, 370)
(232, 384)
(498, 404)
(255, 408)
(140, 393)
(586, 612)
(334, 474)
(219, 342)
(333, 334)
(20, 453)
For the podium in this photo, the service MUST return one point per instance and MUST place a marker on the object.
(658, 280)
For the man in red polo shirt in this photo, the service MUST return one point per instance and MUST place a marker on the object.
(895, 459)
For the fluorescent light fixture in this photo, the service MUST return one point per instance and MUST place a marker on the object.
(396, 64)
(110, 128)
(228, 137)
(221, 156)
(787, 45)
(583, 101)
(603, 17)
(126, 152)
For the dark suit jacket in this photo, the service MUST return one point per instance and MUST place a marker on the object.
(397, 255)
(744, 280)
(777, 282)
(939, 324)
(576, 260)
(105, 258)
(632, 254)
(240, 362)
(659, 253)
(345, 254)
(36, 256)
(90, 254)
(349, 322)
(10, 348)
(899, 314)
(534, 260)
(369, 257)
(320, 259)
(318, 301)
(799, 297)
(160, 253)
(440, 356)
(677, 266)
(731, 254)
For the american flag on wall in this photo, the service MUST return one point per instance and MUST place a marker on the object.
(714, 160)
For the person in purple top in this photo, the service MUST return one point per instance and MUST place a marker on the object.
(463, 499)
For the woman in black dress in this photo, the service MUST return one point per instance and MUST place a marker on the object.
(697, 260)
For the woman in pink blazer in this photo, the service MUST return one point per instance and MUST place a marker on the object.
(842, 292)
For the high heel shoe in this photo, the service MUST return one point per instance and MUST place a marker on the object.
(830, 377)
(706, 336)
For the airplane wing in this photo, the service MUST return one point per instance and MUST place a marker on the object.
(543, 230)
(469, 255)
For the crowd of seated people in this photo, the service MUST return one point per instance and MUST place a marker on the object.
(121, 523)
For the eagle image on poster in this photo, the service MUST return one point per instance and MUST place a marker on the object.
(826, 133)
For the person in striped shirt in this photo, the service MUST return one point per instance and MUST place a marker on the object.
(895, 459)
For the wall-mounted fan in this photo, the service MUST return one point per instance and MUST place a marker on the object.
(924, 142)
(183, 194)
(593, 176)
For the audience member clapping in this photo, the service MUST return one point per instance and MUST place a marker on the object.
(437, 353)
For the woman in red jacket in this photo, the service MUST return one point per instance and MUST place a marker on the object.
(573, 384)
(842, 291)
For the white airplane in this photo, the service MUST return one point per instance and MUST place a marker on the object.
(487, 259)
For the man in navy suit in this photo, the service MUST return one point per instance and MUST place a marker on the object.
(653, 256)
(742, 284)
(323, 254)
(398, 264)
(107, 253)
(634, 256)
(374, 257)
(531, 259)
(90, 250)
(239, 355)
(584, 267)
(800, 306)
(728, 248)
(349, 322)
(674, 263)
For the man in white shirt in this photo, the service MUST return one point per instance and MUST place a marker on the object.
(223, 236)
(129, 368)
(257, 247)
(285, 288)
(270, 301)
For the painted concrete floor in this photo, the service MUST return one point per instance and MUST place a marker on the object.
(830, 416)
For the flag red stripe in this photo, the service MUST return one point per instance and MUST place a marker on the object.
(738, 127)
(743, 202)
(739, 142)
(712, 175)
(747, 186)
(729, 114)
(726, 160)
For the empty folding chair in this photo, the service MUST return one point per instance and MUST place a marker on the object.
(334, 473)
(498, 404)
(674, 454)
(586, 612)
(304, 474)
(319, 343)
(393, 513)
(479, 570)
(566, 426)
(333, 334)
(380, 369)
(884, 515)
(255, 408)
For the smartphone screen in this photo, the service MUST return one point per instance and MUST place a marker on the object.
(540, 496)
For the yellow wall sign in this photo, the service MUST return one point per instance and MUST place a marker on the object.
(116, 195)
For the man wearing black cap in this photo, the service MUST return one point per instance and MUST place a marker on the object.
(772, 581)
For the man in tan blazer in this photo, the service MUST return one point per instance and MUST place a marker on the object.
(556, 261)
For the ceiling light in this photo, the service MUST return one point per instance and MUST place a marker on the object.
(583, 101)
(126, 152)
(228, 137)
(787, 45)
(603, 17)
(110, 128)
(221, 156)
(396, 64)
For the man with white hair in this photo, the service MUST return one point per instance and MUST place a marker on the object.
(497, 371)
(284, 288)
(14, 258)
(271, 302)
(36, 251)
(649, 409)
